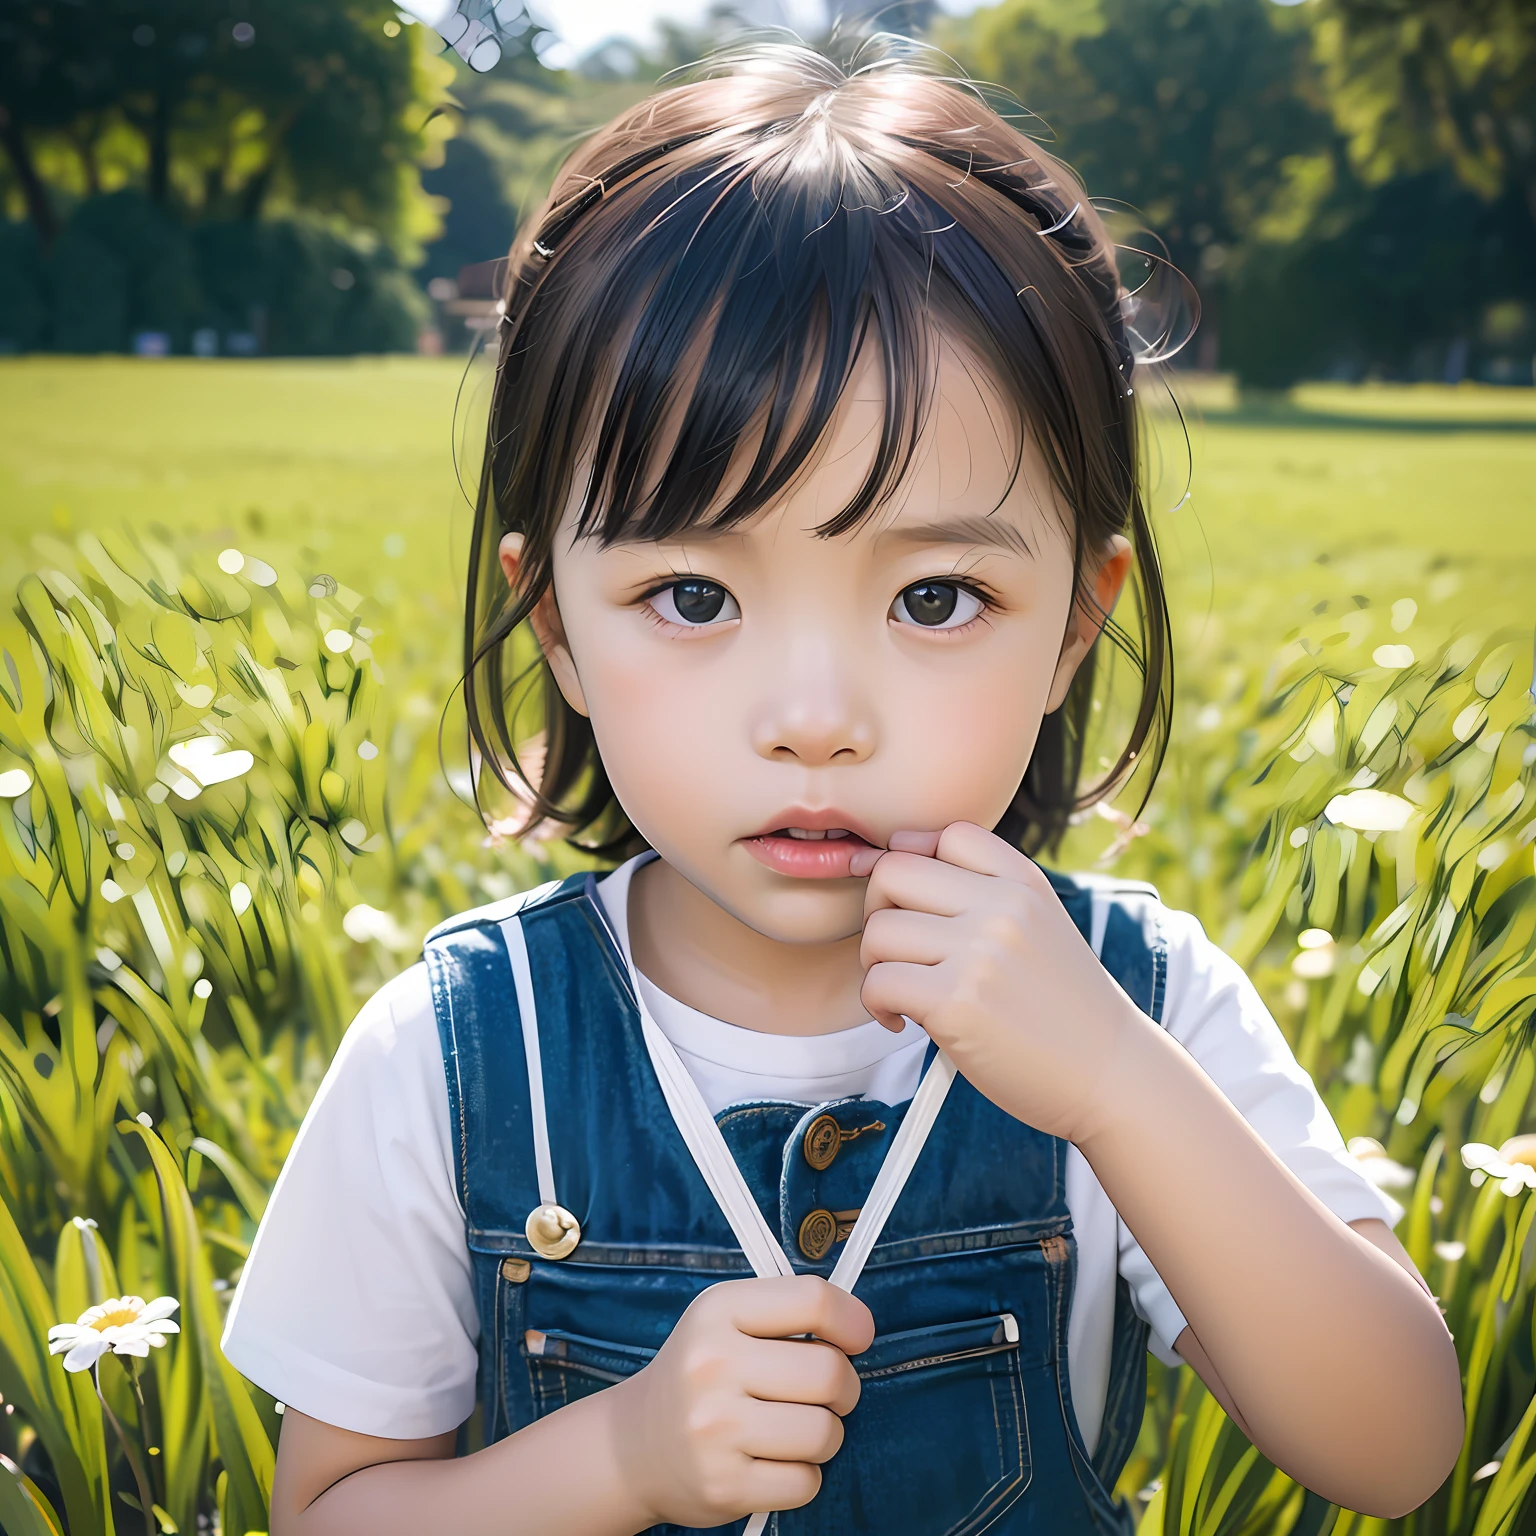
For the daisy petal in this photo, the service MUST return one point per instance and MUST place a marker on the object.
(85, 1354)
(161, 1306)
(139, 1347)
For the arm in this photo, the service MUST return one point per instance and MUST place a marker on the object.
(1351, 1384)
(560, 1474)
(1189, 1349)
(1330, 1356)
(734, 1414)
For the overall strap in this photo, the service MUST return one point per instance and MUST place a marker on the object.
(1119, 919)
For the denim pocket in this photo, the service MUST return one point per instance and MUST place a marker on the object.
(937, 1446)
(939, 1442)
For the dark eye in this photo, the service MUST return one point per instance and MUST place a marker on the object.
(694, 601)
(935, 605)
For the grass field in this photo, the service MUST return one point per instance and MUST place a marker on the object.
(1385, 492)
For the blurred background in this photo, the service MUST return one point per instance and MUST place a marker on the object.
(246, 255)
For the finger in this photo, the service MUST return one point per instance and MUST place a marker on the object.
(921, 885)
(893, 933)
(967, 846)
(780, 1484)
(894, 987)
(790, 1432)
(925, 843)
(799, 1371)
(790, 1304)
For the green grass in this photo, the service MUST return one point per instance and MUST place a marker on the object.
(1377, 491)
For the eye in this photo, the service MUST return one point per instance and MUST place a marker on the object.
(936, 605)
(694, 602)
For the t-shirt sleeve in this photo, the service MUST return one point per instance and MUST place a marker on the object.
(356, 1305)
(1214, 1012)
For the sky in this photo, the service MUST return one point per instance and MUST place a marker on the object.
(582, 24)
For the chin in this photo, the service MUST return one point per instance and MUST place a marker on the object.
(801, 912)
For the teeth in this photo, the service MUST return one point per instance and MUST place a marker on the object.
(806, 835)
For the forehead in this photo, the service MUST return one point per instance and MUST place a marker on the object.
(972, 451)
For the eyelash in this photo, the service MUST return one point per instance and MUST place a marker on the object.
(977, 589)
(664, 624)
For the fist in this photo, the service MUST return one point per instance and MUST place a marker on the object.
(734, 1415)
(964, 935)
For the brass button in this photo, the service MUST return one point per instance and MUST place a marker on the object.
(516, 1270)
(817, 1234)
(823, 1136)
(552, 1231)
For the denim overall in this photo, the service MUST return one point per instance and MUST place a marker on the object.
(965, 1420)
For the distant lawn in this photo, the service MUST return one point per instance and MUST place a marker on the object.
(346, 466)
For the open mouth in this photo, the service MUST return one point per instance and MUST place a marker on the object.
(807, 853)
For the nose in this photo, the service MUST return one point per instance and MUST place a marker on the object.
(813, 714)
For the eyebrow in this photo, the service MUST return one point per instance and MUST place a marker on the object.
(962, 530)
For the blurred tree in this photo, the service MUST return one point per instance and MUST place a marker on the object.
(1418, 83)
(1186, 111)
(46, 83)
(512, 129)
(265, 104)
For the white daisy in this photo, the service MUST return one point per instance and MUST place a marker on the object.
(125, 1325)
(1513, 1163)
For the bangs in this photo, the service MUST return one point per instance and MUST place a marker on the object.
(745, 305)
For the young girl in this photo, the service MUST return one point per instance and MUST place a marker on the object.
(828, 1162)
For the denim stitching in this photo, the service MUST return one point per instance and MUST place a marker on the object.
(1095, 1495)
(1002, 1493)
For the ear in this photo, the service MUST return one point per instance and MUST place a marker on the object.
(1089, 613)
(547, 628)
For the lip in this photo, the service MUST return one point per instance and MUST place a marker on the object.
(806, 859)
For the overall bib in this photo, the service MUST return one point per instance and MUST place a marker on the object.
(965, 1420)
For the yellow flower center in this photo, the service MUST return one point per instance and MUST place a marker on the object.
(115, 1319)
(1519, 1149)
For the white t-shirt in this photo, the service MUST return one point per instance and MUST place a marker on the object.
(357, 1304)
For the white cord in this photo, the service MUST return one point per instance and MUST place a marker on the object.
(892, 1178)
(522, 980)
(704, 1141)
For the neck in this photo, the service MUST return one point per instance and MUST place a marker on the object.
(697, 952)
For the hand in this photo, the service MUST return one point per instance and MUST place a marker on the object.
(964, 935)
(734, 1415)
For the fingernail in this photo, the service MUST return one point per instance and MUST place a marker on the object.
(862, 860)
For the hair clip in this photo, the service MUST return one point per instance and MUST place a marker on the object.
(560, 219)
(1062, 222)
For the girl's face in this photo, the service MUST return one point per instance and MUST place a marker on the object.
(766, 700)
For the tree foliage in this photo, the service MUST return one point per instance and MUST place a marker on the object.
(272, 104)
(1418, 83)
(1185, 111)
(1351, 183)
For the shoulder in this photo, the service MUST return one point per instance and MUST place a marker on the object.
(497, 912)
(389, 1044)
(1096, 896)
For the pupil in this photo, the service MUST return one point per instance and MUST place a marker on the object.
(931, 602)
(698, 601)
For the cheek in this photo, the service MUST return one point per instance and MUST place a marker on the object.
(661, 720)
(963, 732)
